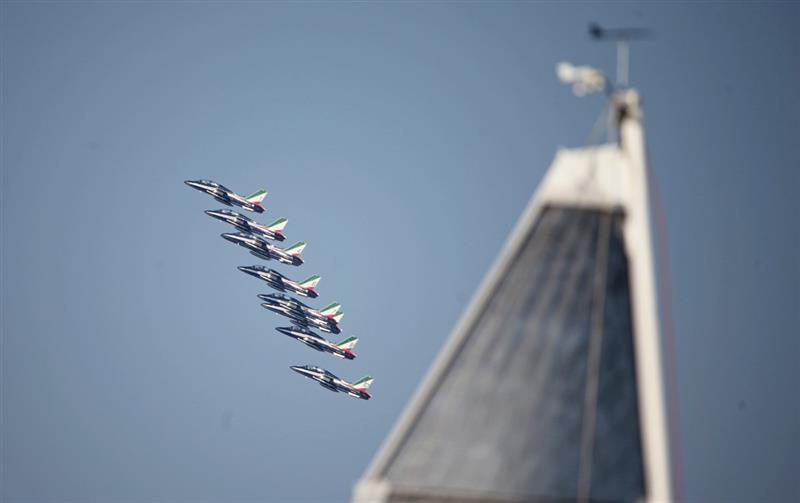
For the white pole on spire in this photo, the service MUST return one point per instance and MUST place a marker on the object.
(623, 62)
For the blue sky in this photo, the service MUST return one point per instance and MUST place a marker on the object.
(402, 141)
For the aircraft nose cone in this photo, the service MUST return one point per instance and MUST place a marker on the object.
(283, 330)
(233, 238)
(191, 183)
(297, 369)
(213, 213)
(248, 270)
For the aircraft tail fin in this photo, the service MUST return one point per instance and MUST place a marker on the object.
(311, 282)
(364, 383)
(278, 224)
(296, 249)
(348, 343)
(331, 309)
(257, 197)
(338, 317)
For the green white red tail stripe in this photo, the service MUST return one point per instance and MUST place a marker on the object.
(363, 383)
(331, 309)
(295, 249)
(311, 282)
(257, 197)
(278, 224)
(348, 344)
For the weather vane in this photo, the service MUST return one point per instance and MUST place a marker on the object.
(586, 79)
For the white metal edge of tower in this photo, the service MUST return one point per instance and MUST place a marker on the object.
(647, 335)
(604, 177)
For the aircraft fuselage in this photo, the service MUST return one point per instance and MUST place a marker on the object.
(300, 319)
(244, 224)
(278, 281)
(262, 249)
(330, 381)
(315, 341)
(299, 312)
(224, 195)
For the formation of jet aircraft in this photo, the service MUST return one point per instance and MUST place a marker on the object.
(255, 237)
(331, 381)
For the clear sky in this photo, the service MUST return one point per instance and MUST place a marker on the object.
(402, 140)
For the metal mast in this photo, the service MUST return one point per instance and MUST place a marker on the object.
(623, 38)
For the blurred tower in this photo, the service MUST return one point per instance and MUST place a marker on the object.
(550, 387)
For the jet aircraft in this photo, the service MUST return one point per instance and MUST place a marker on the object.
(262, 249)
(330, 381)
(226, 196)
(245, 224)
(343, 350)
(326, 319)
(281, 283)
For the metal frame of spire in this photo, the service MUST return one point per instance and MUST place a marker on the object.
(586, 79)
(623, 38)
